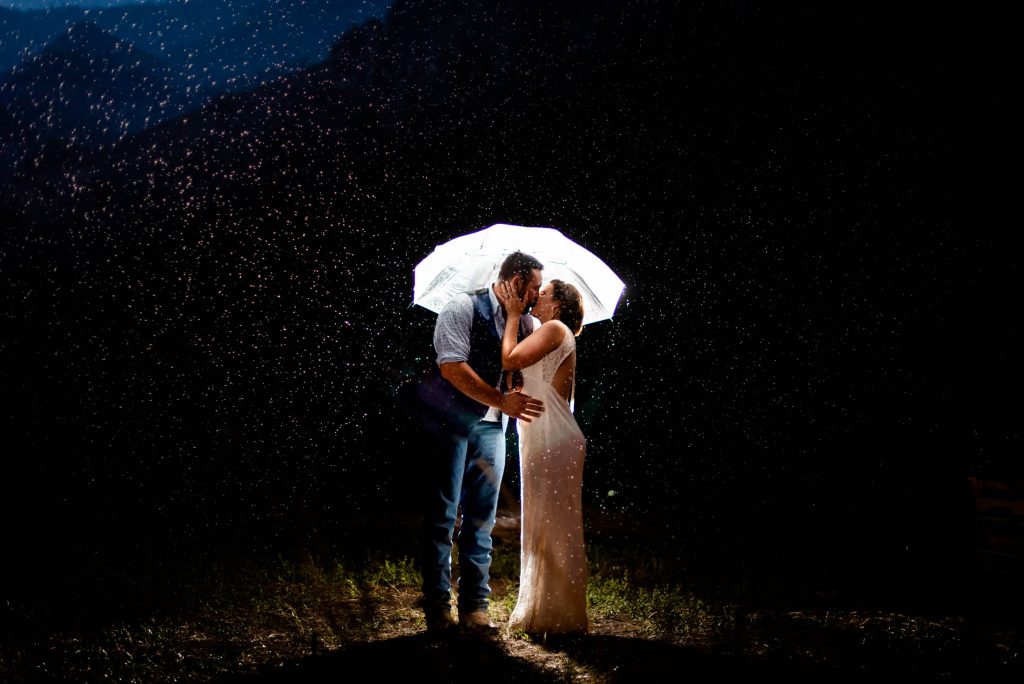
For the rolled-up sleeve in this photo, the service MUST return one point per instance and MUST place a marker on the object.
(452, 330)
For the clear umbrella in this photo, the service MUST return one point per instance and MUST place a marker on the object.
(470, 262)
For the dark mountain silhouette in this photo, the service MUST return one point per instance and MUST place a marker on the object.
(195, 52)
(163, 29)
(8, 127)
(88, 87)
(273, 37)
(212, 314)
(235, 39)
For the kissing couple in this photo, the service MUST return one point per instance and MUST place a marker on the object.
(519, 326)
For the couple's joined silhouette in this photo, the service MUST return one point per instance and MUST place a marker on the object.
(465, 405)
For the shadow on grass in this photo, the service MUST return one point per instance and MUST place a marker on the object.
(631, 659)
(419, 657)
(460, 659)
(607, 659)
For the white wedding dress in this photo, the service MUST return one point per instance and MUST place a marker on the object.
(553, 565)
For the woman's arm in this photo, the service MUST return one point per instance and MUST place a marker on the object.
(526, 353)
(533, 348)
(508, 340)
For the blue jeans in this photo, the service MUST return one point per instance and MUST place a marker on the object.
(469, 472)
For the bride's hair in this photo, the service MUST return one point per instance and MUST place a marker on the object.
(570, 305)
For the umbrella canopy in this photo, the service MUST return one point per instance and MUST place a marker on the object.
(470, 262)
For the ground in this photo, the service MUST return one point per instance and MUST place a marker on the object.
(310, 619)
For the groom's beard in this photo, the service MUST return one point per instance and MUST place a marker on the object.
(529, 307)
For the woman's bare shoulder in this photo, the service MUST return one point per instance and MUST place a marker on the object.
(555, 327)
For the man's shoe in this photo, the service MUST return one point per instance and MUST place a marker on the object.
(439, 621)
(477, 621)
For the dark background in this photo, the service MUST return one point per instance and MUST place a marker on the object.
(205, 322)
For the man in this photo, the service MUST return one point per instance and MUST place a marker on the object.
(467, 413)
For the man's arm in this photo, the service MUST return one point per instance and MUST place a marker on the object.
(451, 340)
(466, 380)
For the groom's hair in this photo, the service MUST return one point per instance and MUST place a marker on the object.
(518, 264)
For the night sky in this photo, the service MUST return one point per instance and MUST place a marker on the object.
(212, 212)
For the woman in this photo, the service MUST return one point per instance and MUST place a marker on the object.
(553, 564)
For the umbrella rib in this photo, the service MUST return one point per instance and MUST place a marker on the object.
(581, 284)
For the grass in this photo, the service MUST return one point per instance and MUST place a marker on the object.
(228, 616)
(221, 617)
(662, 600)
(663, 611)
(234, 615)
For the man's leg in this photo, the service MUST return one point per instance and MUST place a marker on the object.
(485, 465)
(448, 463)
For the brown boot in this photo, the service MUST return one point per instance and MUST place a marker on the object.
(439, 620)
(477, 621)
